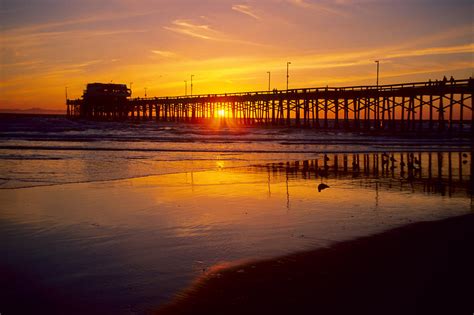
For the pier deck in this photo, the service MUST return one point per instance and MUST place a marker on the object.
(435, 105)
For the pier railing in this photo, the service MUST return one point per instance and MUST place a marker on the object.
(436, 105)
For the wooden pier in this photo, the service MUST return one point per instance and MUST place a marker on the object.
(433, 105)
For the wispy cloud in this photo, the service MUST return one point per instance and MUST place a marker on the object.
(22, 40)
(446, 50)
(84, 64)
(365, 57)
(189, 28)
(205, 32)
(245, 9)
(164, 53)
(320, 6)
(60, 24)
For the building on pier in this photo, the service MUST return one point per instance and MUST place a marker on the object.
(104, 100)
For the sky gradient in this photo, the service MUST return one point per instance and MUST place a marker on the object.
(46, 45)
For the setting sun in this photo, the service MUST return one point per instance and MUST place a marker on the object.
(221, 113)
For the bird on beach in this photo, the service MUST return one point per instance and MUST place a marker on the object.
(322, 186)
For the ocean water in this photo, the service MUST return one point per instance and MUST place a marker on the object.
(116, 218)
(53, 150)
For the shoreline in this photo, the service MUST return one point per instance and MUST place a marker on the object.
(421, 268)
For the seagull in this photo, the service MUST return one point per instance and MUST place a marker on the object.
(322, 186)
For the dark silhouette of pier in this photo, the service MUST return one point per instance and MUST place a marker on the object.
(432, 105)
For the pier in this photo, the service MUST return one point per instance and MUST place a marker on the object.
(444, 105)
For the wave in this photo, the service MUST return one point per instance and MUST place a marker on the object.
(378, 147)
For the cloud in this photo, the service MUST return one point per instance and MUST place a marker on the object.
(187, 27)
(366, 57)
(27, 63)
(22, 40)
(84, 64)
(446, 50)
(320, 6)
(205, 32)
(245, 9)
(74, 22)
(164, 53)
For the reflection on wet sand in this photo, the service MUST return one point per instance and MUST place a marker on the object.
(172, 227)
(444, 173)
(368, 273)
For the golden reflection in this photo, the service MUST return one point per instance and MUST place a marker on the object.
(220, 164)
(397, 184)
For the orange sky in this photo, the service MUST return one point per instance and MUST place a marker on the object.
(228, 46)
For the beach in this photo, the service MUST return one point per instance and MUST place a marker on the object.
(421, 268)
(123, 217)
(236, 157)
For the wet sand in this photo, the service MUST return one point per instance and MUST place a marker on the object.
(422, 268)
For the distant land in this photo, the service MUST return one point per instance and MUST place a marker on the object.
(33, 110)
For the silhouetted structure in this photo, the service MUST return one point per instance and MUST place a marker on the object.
(102, 100)
(440, 105)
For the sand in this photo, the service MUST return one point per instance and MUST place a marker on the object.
(422, 268)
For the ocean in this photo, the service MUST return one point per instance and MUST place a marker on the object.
(118, 217)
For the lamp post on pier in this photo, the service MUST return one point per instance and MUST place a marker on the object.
(269, 79)
(192, 75)
(378, 68)
(145, 92)
(287, 74)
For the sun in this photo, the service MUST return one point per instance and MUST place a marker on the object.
(221, 113)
